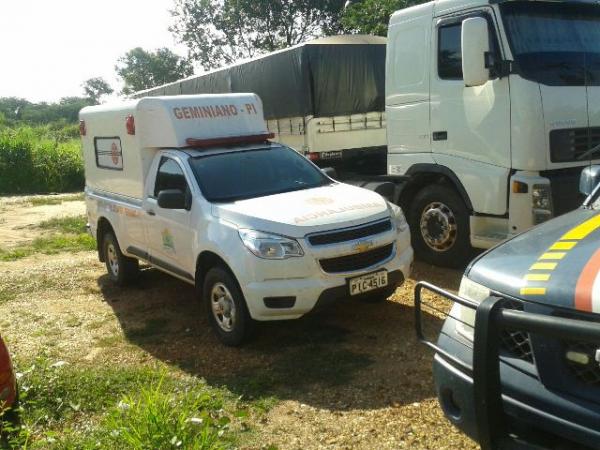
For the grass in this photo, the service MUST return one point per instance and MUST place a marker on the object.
(54, 200)
(67, 407)
(32, 160)
(68, 235)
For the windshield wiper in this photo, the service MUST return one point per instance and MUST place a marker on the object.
(589, 152)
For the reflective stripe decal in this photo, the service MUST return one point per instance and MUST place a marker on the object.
(587, 284)
(543, 266)
(582, 230)
(533, 291)
(537, 276)
(552, 256)
(562, 245)
(587, 295)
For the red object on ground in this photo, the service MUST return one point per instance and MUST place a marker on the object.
(8, 381)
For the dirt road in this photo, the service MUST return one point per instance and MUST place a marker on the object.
(350, 376)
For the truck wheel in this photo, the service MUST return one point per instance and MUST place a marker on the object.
(226, 307)
(439, 225)
(121, 269)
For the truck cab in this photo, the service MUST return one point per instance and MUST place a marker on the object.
(492, 114)
(518, 357)
(192, 186)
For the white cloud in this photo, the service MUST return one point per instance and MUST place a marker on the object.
(49, 48)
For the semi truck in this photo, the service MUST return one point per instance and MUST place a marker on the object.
(324, 98)
(192, 186)
(491, 113)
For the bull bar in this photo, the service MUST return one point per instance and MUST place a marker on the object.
(490, 319)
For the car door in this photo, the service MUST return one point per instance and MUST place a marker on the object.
(170, 236)
(467, 122)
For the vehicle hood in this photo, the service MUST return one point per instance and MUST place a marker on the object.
(564, 250)
(301, 212)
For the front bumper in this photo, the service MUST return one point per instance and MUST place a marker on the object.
(309, 286)
(497, 400)
(539, 416)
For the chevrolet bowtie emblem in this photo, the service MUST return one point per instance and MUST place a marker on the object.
(363, 246)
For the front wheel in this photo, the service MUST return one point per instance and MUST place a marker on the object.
(226, 307)
(439, 223)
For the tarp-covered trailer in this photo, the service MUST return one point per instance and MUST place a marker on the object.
(325, 98)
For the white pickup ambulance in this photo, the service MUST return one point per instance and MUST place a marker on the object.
(192, 186)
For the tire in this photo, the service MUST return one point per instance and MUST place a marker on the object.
(121, 269)
(226, 308)
(439, 225)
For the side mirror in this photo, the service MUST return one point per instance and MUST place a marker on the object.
(172, 199)
(330, 172)
(590, 177)
(475, 43)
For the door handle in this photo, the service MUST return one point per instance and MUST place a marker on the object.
(150, 212)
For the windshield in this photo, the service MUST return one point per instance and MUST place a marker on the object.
(238, 175)
(555, 43)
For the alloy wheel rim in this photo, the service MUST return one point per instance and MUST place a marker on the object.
(113, 260)
(223, 307)
(438, 227)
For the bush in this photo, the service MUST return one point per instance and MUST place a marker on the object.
(40, 160)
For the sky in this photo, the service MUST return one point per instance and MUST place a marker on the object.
(48, 48)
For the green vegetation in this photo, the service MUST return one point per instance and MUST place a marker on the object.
(68, 235)
(42, 159)
(46, 200)
(68, 407)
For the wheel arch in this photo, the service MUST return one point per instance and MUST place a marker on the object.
(205, 261)
(103, 227)
(425, 174)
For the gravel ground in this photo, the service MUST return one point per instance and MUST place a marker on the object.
(349, 376)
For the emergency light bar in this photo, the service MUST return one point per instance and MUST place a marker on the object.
(231, 140)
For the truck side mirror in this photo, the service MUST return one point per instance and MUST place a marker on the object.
(475, 44)
(172, 199)
(590, 177)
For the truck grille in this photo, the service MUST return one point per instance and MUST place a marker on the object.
(357, 261)
(586, 373)
(516, 343)
(335, 237)
(571, 144)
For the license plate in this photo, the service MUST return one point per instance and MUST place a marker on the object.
(366, 283)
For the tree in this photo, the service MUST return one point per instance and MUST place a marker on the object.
(95, 88)
(372, 16)
(219, 32)
(141, 69)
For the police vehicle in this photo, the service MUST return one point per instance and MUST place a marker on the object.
(517, 363)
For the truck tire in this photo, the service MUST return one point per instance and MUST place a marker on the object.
(439, 225)
(121, 269)
(226, 308)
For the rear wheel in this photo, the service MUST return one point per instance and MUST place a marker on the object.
(439, 223)
(226, 307)
(121, 269)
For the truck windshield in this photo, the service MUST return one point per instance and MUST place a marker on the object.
(239, 175)
(555, 43)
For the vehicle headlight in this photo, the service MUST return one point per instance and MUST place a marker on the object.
(270, 246)
(397, 217)
(465, 323)
(541, 203)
